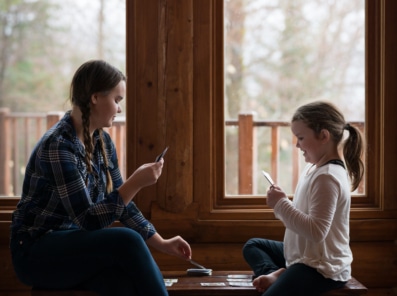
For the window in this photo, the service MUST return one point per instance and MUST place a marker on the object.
(43, 43)
(223, 206)
(279, 55)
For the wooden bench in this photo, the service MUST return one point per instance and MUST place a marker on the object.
(352, 287)
(191, 286)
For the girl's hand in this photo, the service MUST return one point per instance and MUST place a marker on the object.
(145, 175)
(178, 247)
(148, 173)
(274, 194)
(175, 246)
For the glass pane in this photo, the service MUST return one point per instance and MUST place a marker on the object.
(42, 44)
(280, 54)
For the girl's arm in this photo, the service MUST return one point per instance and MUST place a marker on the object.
(315, 224)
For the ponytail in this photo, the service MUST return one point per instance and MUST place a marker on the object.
(353, 151)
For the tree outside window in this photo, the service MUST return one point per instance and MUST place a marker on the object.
(42, 43)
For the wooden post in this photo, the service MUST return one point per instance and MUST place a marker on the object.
(275, 142)
(245, 153)
(295, 163)
(53, 118)
(5, 178)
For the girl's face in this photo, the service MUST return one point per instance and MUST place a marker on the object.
(312, 146)
(105, 106)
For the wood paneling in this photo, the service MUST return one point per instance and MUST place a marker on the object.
(161, 100)
(374, 263)
(390, 91)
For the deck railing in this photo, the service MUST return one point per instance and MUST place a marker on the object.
(21, 131)
(248, 149)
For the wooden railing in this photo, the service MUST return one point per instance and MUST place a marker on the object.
(19, 134)
(21, 131)
(248, 148)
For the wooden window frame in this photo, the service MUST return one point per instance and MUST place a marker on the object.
(248, 207)
(175, 58)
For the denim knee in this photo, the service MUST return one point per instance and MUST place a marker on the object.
(251, 243)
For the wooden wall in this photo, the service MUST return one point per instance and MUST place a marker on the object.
(175, 98)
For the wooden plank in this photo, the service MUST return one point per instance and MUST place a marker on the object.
(5, 177)
(352, 287)
(208, 73)
(390, 91)
(175, 103)
(142, 92)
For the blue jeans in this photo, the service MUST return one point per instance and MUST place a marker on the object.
(266, 256)
(111, 261)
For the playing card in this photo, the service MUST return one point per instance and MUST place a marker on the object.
(238, 280)
(241, 284)
(240, 276)
(220, 284)
(170, 282)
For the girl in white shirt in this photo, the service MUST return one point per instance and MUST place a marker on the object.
(315, 256)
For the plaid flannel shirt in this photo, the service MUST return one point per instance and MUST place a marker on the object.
(55, 193)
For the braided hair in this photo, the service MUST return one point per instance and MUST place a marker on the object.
(93, 77)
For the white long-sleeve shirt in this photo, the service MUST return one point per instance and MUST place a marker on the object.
(317, 222)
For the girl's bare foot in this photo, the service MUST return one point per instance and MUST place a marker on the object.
(263, 282)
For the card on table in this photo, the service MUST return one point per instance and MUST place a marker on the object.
(220, 284)
(240, 276)
(170, 282)
(241, 284)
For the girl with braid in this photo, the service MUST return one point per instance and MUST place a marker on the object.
(73, 192)
(315, 255)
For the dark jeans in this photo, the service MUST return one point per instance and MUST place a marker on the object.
(266, 256)
(111, 261)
